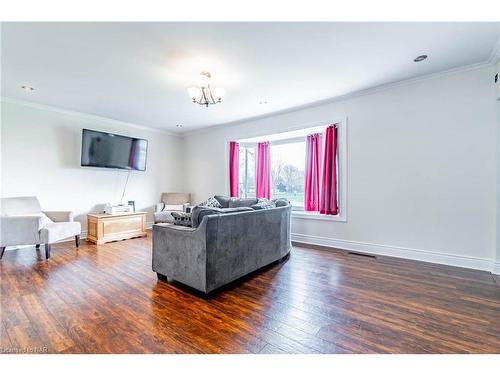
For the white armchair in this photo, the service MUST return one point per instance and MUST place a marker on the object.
(22, 222)
(171, 202)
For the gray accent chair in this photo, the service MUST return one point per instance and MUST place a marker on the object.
(222, 248)
(171, 202)
(22, 222)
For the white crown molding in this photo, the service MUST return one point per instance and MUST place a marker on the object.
(401, 252)
(85, 116)
(352, 95)
(495, 55)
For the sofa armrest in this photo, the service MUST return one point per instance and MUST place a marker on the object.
(179, 252)
(59, 216)
(20, 230)
(159, 207)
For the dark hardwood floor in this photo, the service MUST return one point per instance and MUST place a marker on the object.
(106, 299)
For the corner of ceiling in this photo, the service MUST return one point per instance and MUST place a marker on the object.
(495, 53)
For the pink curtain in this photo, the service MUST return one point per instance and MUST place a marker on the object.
(328, 201)
(263, 170)
(311, 199)
(234, 164)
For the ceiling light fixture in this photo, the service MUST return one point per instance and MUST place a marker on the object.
(204, 94)
(420, 58)
(28, 88)
(179, 126)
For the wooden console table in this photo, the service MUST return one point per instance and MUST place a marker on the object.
(102, 228)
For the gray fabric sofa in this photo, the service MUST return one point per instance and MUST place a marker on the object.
(224, 246)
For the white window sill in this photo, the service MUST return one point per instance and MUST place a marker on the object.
(317, 216)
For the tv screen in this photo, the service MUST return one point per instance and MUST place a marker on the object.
(106, 150)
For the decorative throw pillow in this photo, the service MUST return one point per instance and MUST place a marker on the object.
(211, 202)
(182, 218)
(263, 204)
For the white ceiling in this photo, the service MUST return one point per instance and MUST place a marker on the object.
(139, 72)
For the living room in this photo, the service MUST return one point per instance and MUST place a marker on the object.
(236, 187)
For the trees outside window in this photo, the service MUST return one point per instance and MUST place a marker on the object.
(287, 171)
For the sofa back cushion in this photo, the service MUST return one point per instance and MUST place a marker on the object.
(20, 206)
(199, 212)
(223, 200)
(242, 202)
(233, 202)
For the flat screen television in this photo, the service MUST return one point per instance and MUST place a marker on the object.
(107, 150)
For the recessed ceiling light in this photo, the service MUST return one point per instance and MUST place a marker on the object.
(179, 126)
(27, 88)
(420, 58)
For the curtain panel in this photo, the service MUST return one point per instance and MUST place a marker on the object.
(234, 164)
(312, 172)
(263, 170)
(328, 197)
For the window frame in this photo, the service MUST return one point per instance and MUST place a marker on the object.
(299, 212)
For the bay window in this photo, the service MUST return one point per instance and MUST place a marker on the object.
(288, 154)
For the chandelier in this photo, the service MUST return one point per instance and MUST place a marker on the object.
(204, 94)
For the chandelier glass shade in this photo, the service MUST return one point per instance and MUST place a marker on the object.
(204, 94)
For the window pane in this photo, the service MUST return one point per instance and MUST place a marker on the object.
(287, 172)
(247, 172)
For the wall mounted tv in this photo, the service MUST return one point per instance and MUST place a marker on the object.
(107, 150)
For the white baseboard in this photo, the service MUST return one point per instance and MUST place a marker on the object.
(496, 268)
(401, 252)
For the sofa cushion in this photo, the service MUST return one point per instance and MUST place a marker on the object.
(263, 204)
(223, 200)
(242, 202)
(182, 218)
(53, 232)
(211, 202)
(173, 207)
(199, 212)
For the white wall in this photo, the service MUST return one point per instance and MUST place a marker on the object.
(422, 175)
(421, 171)
(41, 156)
(497, 264)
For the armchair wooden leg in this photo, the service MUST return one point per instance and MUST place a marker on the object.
(2, 249)
(77, 240)
(47, 251)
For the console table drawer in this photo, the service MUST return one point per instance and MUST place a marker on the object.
(120, 225)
